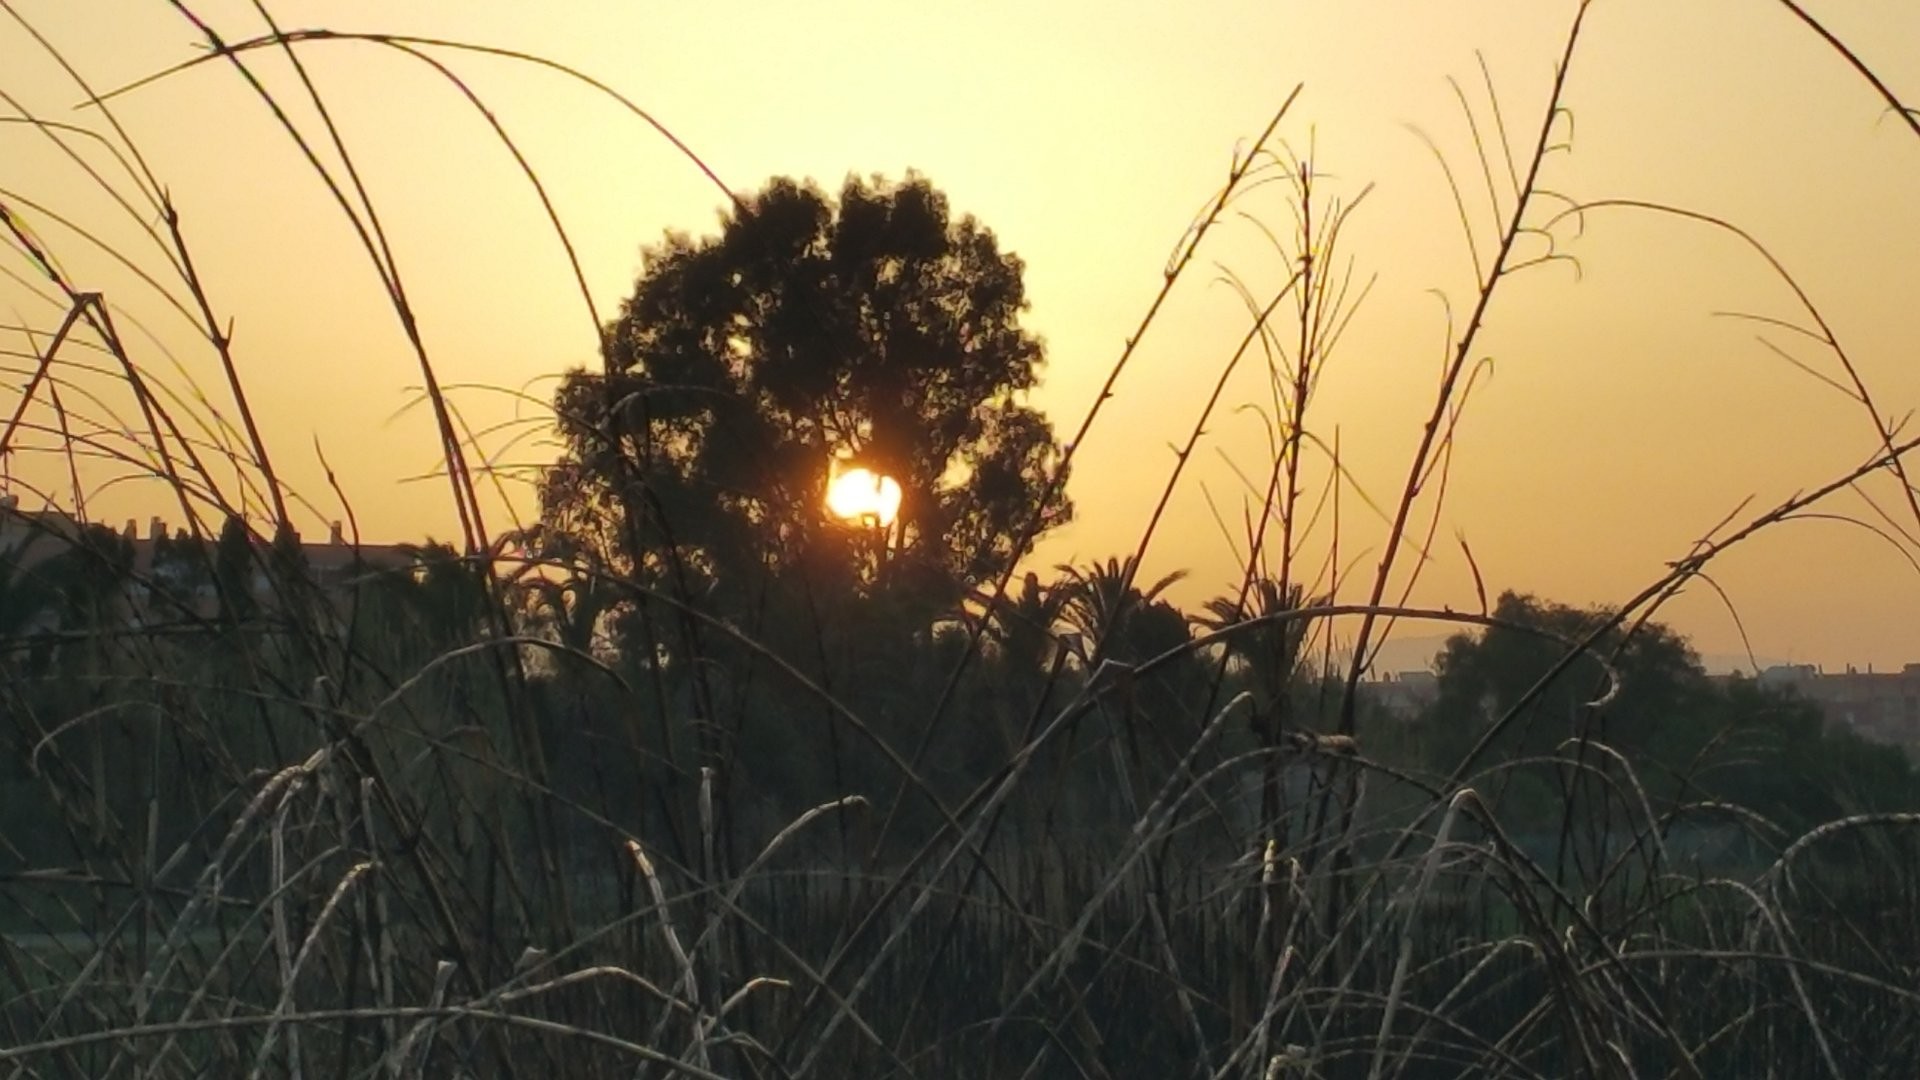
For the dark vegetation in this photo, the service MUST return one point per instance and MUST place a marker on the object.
(689, 779)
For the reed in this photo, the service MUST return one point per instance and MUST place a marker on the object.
(414, 817)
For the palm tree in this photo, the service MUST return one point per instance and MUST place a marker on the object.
(446, 595)
(1270, 652)
(1023, 626)
(1116, 619)
(565, 589)
(1028, 653)
(1121, 624)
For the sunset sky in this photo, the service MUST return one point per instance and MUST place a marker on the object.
(1625, 417)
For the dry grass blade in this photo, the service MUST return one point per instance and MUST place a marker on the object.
(549, 802)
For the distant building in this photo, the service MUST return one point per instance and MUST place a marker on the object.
(1781, 675)
(30, 536)
(1403, 695)
(168, 564)
(1882, 706)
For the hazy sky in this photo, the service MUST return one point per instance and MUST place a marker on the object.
(1624, 418)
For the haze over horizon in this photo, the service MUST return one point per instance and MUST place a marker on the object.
(1625, 415)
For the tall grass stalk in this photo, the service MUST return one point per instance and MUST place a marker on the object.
(432, 823)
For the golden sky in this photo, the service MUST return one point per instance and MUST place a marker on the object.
(1623, 420)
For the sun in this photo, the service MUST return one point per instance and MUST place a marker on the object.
(863, 496)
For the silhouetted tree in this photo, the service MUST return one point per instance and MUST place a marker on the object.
(1689, 737)
(1268, 656)
(83, 588)
(1482, 677)
(446, 594)
(1115, 618)
(233, 570)
(875, 327)
(1021, 624)
(566, 592)
(1119, 622)
(22, 594)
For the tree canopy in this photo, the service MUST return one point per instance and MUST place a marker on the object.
(1692, 736)
(876, 329)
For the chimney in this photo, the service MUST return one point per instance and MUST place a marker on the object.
(333, 535)
(156, 528)
(130, 532)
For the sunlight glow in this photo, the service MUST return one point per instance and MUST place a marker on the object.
(862, 495)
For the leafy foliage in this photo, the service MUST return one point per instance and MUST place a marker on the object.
(1116, 619)
(1268, 655)
(1691, 736)
(876, 328)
